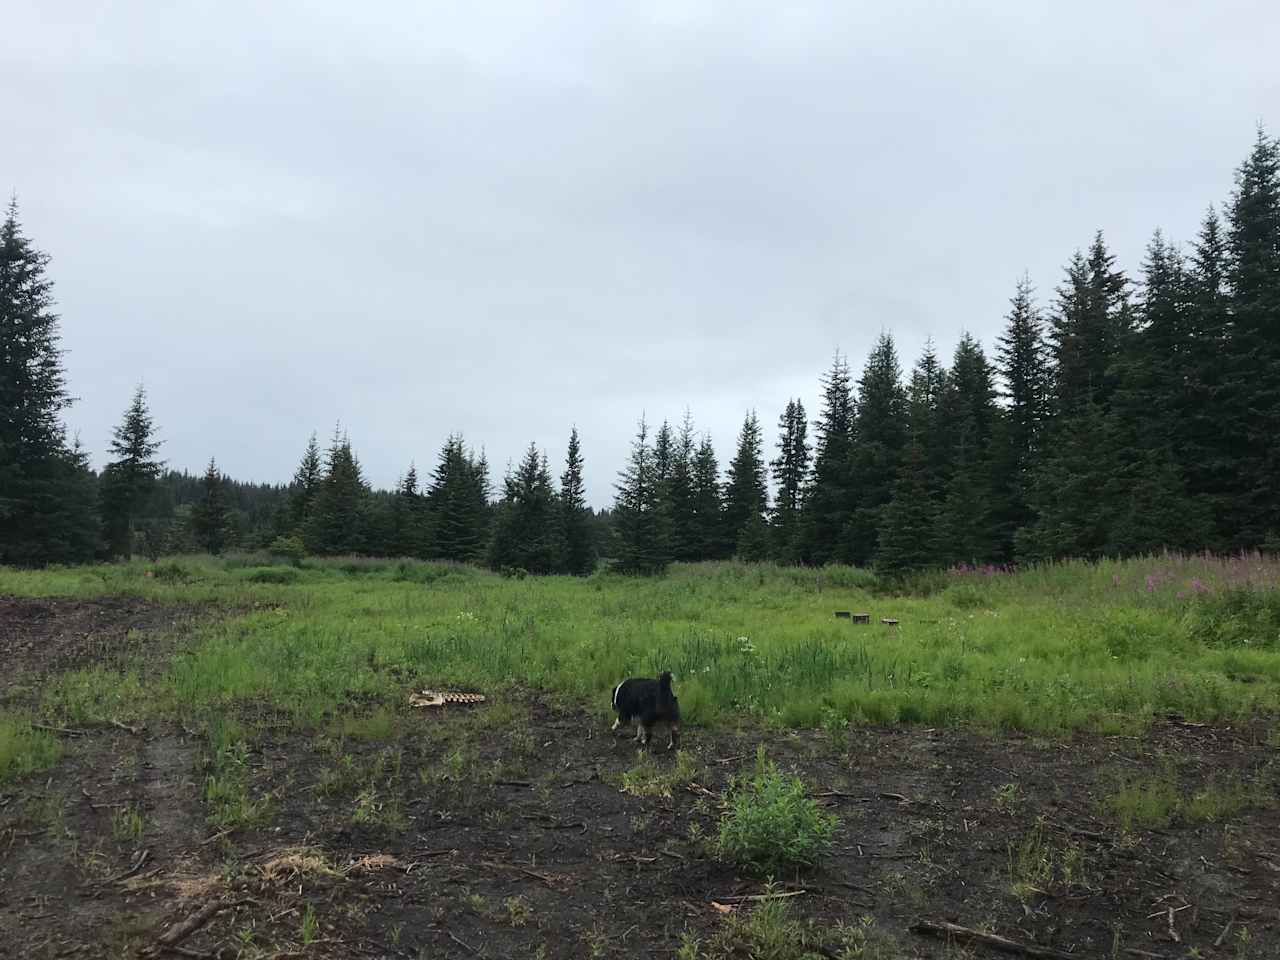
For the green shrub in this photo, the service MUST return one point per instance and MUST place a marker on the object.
(173, 572)
(278, 575)
(291, 549)
(772, 824)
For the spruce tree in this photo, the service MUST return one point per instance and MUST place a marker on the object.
(907, 522)
(305, 486)
(830, 500)
(458, 504)
(708, 522)
(966, 529)
(681, 508)
(209, 515)
(47, 495)
(339, 517)
(129, 480)
(881, 432)
(407, 534)
(1252, 390)
(746, 495)
(791, 473)
(1206, 457)
(1024, 378)
(925, 426)
(576, 523)
(1087, 331)
(643, 539)
(527, 532)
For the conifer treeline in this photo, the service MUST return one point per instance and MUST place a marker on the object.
(1123, 416)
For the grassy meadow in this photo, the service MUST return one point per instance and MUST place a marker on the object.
(1052, 649)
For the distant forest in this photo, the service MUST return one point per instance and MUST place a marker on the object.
(1125, 416)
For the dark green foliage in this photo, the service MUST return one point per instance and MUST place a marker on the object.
(339, 516)
(881, 433)
(967, 530)
(707, 522)
(210, 516)
(407, 519)
(641, 526)
(128, 481)
(47, 496)
(791, 473)
(831, 498)
(527, 531)
(1088, 330)
(681, 506)
(746, 496)
(1252, 388)
(458, 504)
(576, 527)
(908, 523)
(772, 824)
(305, 486)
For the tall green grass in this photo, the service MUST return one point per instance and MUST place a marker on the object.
(1054, 648)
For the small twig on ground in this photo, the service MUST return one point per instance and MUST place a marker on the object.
(217, 836)
(741, 756)
(955, 931)
(894, 796)
(1075, 831)
(138, 861)
(755, 897)
(1135, 952)
(1225, 930)
(124, 726)
(513, 783)
(544, 878)
(185, 928)
(841, 795)
(462, 943)
(192, 954)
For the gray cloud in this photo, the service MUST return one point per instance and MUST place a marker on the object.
(416, 219)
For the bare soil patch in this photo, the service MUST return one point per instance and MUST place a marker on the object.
(501, 831)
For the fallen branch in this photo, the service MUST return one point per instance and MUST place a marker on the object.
(954, 931)
(755, 897)
(138, 861)
(545, 878)
(217, 836)
(180, 931)
(513, 783)
(462, 943)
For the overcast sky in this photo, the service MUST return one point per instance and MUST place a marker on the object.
(502, 220)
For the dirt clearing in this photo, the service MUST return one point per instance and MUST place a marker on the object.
(503, 830)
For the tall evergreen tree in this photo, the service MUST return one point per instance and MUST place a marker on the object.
(407, 534)
(458, 504)
(129, 480)
(1252, 392)
(47, 496)
(830, 500)
(1206, 451)
(210, 515)
(907, 522)
(710, 540)
(339, 517)
(881, 435)
(791, 473)
(1087, 331)
(746, 496)
(527, 531)
(643, 538)
(966, 526)
(576, 525)
(681, 507)
(1024, 376)
(925, 426)
(306, 485)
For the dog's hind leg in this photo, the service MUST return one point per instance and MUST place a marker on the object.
(616, 724)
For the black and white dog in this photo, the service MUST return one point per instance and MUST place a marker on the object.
(647, 702)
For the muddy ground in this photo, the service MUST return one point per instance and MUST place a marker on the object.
(502, 831)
